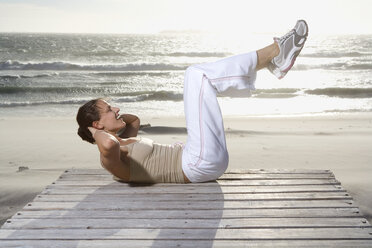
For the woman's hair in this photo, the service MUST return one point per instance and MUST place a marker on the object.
(87, 114)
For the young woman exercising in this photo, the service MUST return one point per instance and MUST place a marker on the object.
(204, 157)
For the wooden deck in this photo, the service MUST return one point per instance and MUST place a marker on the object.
(251, 208)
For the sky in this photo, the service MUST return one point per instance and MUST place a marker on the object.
(153, 16)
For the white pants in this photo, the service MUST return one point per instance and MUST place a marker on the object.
(205, 155)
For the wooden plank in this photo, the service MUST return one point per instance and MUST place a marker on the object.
(193, 214)
(190, 234)
(93, 223)
(255, 208)
(234, 171)
(198, 197)
(237, 176)
(171, 205)
(181, 197)
(252, 182)
(278, 171)
(223, 177)
(188, 189)
(187, 243)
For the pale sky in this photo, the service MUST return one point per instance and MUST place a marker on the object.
(152, 16)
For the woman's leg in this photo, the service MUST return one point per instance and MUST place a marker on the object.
(205, 154)
(265, 55)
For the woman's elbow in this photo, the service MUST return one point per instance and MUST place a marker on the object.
(109, 145)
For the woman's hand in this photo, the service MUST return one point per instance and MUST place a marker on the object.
(105, 141)
(132, 127)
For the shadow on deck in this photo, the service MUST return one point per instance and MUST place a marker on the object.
(255, 208)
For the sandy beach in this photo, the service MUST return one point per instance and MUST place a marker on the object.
(35, 151)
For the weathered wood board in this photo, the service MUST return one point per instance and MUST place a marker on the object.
(245, 208)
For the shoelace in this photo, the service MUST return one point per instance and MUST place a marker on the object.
(285, 37)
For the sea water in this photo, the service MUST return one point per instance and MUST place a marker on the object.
(53, 74)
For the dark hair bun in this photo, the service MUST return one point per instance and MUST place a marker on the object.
(86, 135)
(87, 114)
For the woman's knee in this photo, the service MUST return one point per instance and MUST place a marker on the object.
(222, 161)
(195, 71)
(190, 71)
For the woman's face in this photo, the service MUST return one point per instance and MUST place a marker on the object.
(109, 120)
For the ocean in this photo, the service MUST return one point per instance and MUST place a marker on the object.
(53, 74)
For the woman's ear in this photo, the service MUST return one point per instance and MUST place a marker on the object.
(97, 125)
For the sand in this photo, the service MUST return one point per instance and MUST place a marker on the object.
(35, 151)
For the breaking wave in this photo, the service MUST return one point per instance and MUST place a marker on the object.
(192, 54)
(334, 66)
(116, 97)
(43, 75)
(65, 66)
(35, 103)
(342, 92)
(335, 55)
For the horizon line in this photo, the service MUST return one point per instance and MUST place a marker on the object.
(186, 31)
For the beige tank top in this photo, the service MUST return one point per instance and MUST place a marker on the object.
(155, 163)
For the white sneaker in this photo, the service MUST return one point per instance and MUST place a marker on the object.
(290, 46)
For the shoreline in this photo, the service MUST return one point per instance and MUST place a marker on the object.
(48, 146)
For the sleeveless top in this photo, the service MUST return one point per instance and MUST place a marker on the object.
(155, 163)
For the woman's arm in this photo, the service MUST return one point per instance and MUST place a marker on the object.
(132, 127)
(109, 147)
(108, 144)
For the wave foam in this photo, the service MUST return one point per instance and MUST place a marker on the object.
(342, 92)
(117, 97)
(192, 54)
(36, 103)
(335, 55)
(65, 66)
(12, 77)
(334, 66)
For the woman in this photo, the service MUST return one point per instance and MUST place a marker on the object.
(204, 157)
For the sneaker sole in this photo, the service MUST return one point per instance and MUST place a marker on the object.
(292, 61)
(294, 56)
(285, 71)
